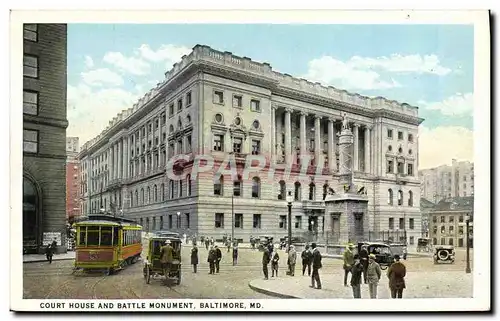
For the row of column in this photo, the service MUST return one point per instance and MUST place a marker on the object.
(332, 164)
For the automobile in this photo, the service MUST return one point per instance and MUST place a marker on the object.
(383, 253)
(152, 264)
(444, 253)
(424, 244)
(264, 240)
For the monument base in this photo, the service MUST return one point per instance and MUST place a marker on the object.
(348, 217)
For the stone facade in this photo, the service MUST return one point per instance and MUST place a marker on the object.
(217, 104)
(44, 133)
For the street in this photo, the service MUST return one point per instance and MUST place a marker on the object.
(56, 281)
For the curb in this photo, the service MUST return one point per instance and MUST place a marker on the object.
(45, 260)
(271, 293)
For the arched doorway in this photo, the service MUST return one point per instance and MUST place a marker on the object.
(31, 216)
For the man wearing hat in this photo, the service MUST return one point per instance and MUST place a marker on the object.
(166, 257)
(363, 256)
(373, 273)
(316, 265)
(218, 255)
(396, 274)
(348, 261)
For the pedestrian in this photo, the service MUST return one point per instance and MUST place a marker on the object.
(316, 266)
(274, 262)
(266, 258)
(292, 259)
(228, 244)
(49, 253)
(363, 256)
(194, 240)
(212, 258)
(218, 255)
(166, 258)
(373, 273)
(207, 243)
(396, 274)
(194, 257)
(306, 261)
(212, 242)
(348, 261)
(356, 271)
(235, 253)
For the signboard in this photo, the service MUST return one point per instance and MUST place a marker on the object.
(48, 237)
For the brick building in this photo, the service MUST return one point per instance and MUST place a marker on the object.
(44, 135)
(447, 221)
(72, 179)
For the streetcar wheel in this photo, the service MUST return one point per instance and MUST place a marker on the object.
(148, 275)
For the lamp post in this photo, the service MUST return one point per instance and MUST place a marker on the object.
(232, 216)
(467, 221)
(289, 200)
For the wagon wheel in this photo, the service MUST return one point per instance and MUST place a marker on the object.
(179, 277)
(148, 275)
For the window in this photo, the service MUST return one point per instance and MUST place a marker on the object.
(460, 230)
(443, 242)
(443, 229)
(188, 144)
(412, 240)
(30, 141)
(188, 184)
(390, 196)
(170, 221)
(282, 194)
(461, 219)
(237, 101)
(411, 224)
(219, 220)
(391, 223)
(451, 229)
(410, 169)
(390, 166)
(256, 221)
(218, 97)
(163, 118)
(401, 168)
(450, 241)
(298, 190)
(256, 187)
(282, 222)
(255, 147)
(30, 102)
(237, 143)
(410, 138)
(238, 220)
(451, 219)
(389, 133)
(410, 198)
(30, 32)
(400, 135)
(179, 105)
(162, 191)
(237, 187)
(298, 222)
(219, 143)
(171, 187)
(218, 184)
(255, 105)
(30, 66)
(401, 223)
(435, 229)
(179, 183)
(188, 99)
(188, 220)
(155, 193)
(171, 110)
(442, 219)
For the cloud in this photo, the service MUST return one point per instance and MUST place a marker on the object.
(456, 105)
(397, 63)
(167, 53)
(89, 62)
(101, 77)
(91, 109)
(440, 145)
(132, 65)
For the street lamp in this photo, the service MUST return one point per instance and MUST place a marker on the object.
(467, 221)
(178, 221)
(289, 200)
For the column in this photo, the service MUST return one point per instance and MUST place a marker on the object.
(116, 161)
(317, 139)
(228, 143)
(288, 136)
(367, 150)
(303, 133)
(273, 134)
(120, 151)
(112, 167)
(125, 157)
(356, 147)
(331, 145)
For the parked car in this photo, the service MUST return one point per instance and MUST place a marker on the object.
(383, 253)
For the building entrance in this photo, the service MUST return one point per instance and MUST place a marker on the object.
(31, 232)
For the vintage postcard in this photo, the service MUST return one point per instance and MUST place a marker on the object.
(244, 162)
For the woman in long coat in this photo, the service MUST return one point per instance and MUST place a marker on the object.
(194, 257)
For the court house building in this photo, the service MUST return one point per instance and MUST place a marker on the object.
(215, 106)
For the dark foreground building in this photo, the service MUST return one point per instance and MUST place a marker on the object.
(44, 136)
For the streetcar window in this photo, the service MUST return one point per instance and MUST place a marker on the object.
(83, 231)
(106, 239)
(115, 235)
(92, 235)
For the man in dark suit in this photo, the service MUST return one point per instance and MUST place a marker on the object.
(266, 258)
(316, 266)
(218, 255)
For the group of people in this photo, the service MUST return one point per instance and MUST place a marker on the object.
(364, 264)
(213, 259)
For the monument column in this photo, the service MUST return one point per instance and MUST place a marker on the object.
(317, 139)
(288, 136)
(356, 147)
(367, 150)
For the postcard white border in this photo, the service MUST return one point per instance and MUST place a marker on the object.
(482, 240)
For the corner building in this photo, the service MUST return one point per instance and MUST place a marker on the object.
(218, 104)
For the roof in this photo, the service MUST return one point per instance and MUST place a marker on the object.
(455, 204)
(164, 238)
(426, 204)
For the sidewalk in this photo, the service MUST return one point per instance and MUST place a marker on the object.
(449, 284)
(32, 258)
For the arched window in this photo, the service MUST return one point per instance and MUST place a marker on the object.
(171, 129)
(142, 196)
(238, 186)
(188, 185)
(31, 233)
(298, 191)
(148, 195)
(325, 190)
(390, 196)
(255, 187)
(131, 198)
(282, 194)
(219, 186)
(400, 197)
(171, 189)
(155, 193)
(410, 198)
(179, 183)
(163, 192)
(312, 191)
(179, 124)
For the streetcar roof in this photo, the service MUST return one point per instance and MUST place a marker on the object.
(106, 223)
